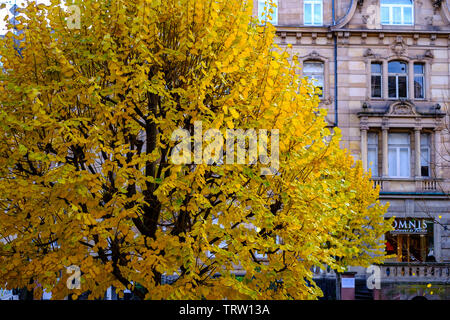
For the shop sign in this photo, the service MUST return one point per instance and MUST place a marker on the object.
(414, 226)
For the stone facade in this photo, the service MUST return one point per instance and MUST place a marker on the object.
(355, 48)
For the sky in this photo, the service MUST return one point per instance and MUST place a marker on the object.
(5, 11)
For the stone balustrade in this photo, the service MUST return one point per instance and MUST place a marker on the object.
(407, 185)
(420, 272)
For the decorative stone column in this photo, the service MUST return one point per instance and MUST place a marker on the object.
(364, 129)
(437, 153)
(384, 145)
(384, 83)
(411, 80)
(417, 170)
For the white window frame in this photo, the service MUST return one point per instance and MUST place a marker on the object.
(428, 148)
(266, 4)
(423, 80)
(398, 163)
(313, 21)
(376, 74)
(373, 146)
(391, 13)
(396, 75)
(310, 75)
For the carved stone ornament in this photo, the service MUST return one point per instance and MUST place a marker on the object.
(370, 54)
(314, 55)
(399, 47)
(428, 54)
(402, 108)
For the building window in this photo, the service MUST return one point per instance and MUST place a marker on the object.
(397, 79)
(425, 154)
(399, 155)
(412, 240)
(419, 80)
(314, 70)
(267, 12)
(397, 12)
(313, 11)
(376, 79)
(372, 153)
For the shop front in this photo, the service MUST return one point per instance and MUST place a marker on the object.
(411, 240)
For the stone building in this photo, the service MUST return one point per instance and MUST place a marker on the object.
(384, 69)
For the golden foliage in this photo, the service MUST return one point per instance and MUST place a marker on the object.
(85, 174)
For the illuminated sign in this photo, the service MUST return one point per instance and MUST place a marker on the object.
(415, 226)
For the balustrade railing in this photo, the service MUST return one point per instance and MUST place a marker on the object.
(415, 272)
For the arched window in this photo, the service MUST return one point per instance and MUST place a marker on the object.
(397, 79)
(313, 12)
(268, 12)
(314, 70)
(397, 12)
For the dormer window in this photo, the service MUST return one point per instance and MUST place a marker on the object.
(397, 12)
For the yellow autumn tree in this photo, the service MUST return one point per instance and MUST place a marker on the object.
(87, 170)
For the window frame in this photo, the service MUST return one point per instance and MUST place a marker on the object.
(264, 3)
(308, 74)
(398, 163)
(397, 75)
(428, 148)
(312, 3)
(373, 146)
(381, 80)
(423, 76)
(391, 7)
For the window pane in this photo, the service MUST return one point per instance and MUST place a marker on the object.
(397, 15)
(372, 158)
(376, 67)
(317, 14)
(418, 68)
(308, 14)
(424, 162)
(385, 15)
(398, 138)
(318, 78)
(313, 67)
(425, 140)
(396, 67)
(404, 162)
(418, 87)
(407, 15)
(402, 85)
(261, 5)
(396, 1)
(376, 86)
(392, 162)
(372, 138)
(392, 87)
(265, 15)
(424, 158)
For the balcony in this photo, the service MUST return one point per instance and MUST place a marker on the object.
(425, 272)
(421, 185)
